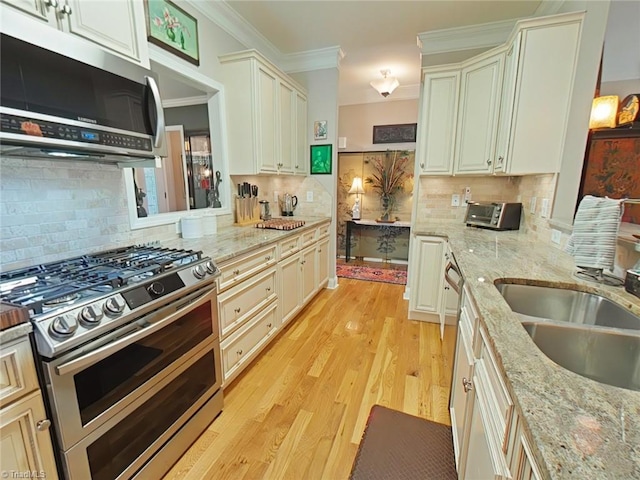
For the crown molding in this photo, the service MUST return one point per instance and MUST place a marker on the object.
(185, 102)
(485, 35)
(227, 19)
(319, 59)
(548, 7)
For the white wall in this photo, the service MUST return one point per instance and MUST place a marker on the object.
(322, 104)
(357, 121)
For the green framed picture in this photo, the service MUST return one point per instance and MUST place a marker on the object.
(173, 29)
(321, 159)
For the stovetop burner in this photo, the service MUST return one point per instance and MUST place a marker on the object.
(48, 286)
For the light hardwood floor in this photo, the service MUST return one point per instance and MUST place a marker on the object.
(299, 411)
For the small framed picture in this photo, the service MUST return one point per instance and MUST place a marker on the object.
(320, 130)
(170, 27)
(321, 159)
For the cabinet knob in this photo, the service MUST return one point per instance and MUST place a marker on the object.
(239, 352)
(268, 289)
(236, 272)
(422, 165)
(467, 385)
(489, 161)
(65, 10)
(268, 325)
(51, 3)
(267, 258)
(43, 425)
(237, 310)
(446, 287)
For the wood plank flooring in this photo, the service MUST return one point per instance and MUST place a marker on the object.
(299, 411)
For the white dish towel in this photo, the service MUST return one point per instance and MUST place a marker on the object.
(595, 232)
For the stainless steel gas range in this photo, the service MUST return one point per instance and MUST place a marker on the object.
(129, 355)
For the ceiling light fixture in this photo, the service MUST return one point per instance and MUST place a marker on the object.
(385, 86)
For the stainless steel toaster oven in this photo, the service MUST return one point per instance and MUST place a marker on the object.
(495, 216)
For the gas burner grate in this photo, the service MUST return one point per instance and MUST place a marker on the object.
(63, 282)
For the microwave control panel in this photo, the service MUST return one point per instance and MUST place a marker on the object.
(46, 129)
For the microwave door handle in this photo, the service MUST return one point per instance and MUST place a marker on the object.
(160, 124)
(77, 364)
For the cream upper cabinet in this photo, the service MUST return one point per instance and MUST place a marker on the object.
(538, 80)
(266, 116)
(301, 156)
(480, 87)
(438, 116)
(116, 25)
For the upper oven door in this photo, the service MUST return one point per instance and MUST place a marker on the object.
(90, 385)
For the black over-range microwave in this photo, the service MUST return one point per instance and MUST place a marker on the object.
(53, 106)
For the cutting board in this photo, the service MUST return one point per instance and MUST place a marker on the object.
(11, 315)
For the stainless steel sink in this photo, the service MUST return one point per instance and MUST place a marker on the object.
(605, 356)
(567, 306)
(585, 333)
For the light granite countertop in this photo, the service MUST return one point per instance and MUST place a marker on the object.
(233, 241)
(15, 332)
(580, 428)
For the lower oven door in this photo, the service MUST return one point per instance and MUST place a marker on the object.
(91, 386)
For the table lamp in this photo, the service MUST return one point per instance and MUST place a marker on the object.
(356, 187)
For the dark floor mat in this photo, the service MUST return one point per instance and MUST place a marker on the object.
(398, 446)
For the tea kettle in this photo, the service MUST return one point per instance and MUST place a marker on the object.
(288, 204)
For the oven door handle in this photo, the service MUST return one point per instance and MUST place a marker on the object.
(77, 364)
(454, 285)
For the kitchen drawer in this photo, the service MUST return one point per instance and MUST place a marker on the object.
(247, 342)
(17, 371)
(498, 396)
(237, 305)
(236, 270)
(323, 230)
(289, 246)
(308, 238)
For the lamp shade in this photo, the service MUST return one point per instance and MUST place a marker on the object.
(603, 112)
(386, 85)
(356, 186)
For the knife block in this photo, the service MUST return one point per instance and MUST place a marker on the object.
(247, 211)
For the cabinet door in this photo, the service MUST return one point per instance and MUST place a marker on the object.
(322, 254)
(290, 291)
(478, 115)
(287, 137)
(479, 465)
(35, 8)
(301, 159)
(110, 23)
(506, 105)
(426, 291)
(308, 269)
(461, 399)
(266, 150)
(24, 438)
(438, 122)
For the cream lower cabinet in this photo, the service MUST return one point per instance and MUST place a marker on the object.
(25, 441)
(322, 256)
(308, 280)
(289, 284)
(488, 438)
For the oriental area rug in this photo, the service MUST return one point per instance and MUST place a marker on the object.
(361, 272)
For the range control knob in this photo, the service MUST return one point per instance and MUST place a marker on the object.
(211, 268)
(156, 288)
(90, 316)
(113, 307)
(63, 326)
(199, 271)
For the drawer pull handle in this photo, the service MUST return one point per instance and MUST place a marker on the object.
(237, 310)
(267, 258)
(467, 385)
(239, 352)
(268, 289)
(236, 271)
(268, 325)
(43, 425)
(446, 287)
(319, 250)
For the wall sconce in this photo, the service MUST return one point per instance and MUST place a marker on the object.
(603, 112)
(385, 86)
(356, 187)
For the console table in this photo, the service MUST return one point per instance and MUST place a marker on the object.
(355, 224)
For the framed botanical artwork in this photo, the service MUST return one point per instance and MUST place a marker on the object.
(321, 159)
(403, 133)
(173, 29)
(320, 130)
